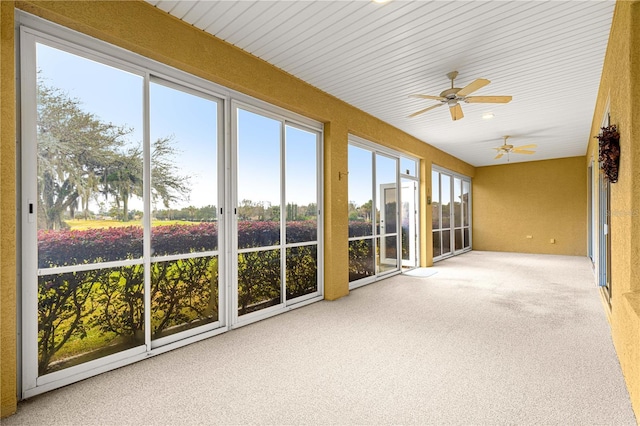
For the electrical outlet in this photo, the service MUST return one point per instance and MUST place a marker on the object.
(552, 241)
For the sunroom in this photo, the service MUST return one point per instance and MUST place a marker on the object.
(184, 169)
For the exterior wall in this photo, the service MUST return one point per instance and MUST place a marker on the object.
(542, 199)
(139, 27)
(7, 213)
(620, 89)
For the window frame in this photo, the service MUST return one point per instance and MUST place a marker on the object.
(452, 228)
(236, 320)
(375, 150)
(31, 30)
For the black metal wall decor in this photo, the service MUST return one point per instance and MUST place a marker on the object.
(609, 157)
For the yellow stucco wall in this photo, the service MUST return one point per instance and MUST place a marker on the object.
(542, 199)
(141, 28)
(7, 213)
(620, 89)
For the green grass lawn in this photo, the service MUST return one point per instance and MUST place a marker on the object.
(81, 224)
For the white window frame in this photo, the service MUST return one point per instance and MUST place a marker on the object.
(454, 175)
(285, 305)
(31, 29)
(377, 149)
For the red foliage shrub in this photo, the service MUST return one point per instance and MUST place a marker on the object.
(63, 248)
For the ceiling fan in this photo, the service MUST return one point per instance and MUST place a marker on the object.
(510, 149)
(453, 96)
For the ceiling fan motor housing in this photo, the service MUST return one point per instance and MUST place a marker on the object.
(450, 93)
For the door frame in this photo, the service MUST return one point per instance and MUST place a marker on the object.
(604, 228)
(383, 218)
(414, 221)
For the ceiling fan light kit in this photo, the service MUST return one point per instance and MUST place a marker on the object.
(453, 96)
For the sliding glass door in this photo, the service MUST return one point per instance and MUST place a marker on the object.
(277, 217)
(82, 165)
(185, 254)
(451, 213)
(145, 225)
(120, 239)
(604, 236)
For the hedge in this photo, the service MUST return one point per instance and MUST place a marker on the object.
(87, 314)
(73, 247)
(107, 304)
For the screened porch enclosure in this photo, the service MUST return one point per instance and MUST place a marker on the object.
(450, 213)
(383, 212)
(160, 209)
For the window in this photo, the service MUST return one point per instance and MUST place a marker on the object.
(383, 212)
(451, 213)
(277, 212)
(139, 215)
(185, 256)
(84, 172)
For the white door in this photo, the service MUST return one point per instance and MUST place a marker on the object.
(409, 223)
(387, 216)
(388, 226)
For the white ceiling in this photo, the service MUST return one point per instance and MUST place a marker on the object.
(547, 55)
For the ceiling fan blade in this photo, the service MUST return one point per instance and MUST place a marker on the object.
(424, 110)
(488, 99)
(435, 98)
(522, 151)
(456, 112)
(533, 145)
(473, 86)
(499, 156)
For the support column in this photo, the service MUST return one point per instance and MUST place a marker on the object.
(336, 211)
(426, 236)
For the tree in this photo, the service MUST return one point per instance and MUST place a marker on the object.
(166, 184)
(73, 148)
(367, 210)
(123, 178)
(207, 213)
(80, 157)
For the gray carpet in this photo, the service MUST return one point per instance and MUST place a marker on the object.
(493, 338)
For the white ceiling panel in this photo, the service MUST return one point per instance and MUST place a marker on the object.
(547, 55)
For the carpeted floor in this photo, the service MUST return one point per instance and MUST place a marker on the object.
(492, 338)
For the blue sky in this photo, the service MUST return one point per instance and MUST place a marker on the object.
(115, 96)
(360, 173)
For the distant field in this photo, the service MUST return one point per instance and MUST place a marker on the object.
(81, 224)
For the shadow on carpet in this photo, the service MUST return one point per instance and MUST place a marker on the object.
(421, 272)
